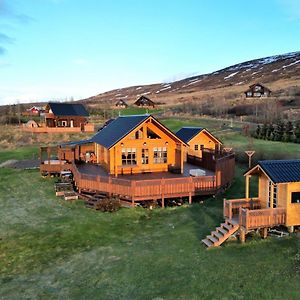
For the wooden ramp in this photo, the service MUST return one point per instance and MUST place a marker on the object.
(221, 234)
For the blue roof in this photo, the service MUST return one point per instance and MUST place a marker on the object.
(281, 171)
(187, 133)
(68, 109)
(117, 129)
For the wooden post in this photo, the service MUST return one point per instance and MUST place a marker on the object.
(181, 158)
(190, 198)
(132, 203)
(240, 215)
(247, 186)
(264, 233)
(230, 211)
(242, 235)
(133, 183)
(162, 185)
(109, 186)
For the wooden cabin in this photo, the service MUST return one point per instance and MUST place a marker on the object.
(144, 101)
(137, 158)
(277, 202)
(121, 104)
(136, 144)
(198, 139)
(257, 90)
(64, 117)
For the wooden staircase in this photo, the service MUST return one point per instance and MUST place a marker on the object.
(221, 234)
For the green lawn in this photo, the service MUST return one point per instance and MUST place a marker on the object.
(52, 249)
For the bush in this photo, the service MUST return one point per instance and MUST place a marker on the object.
(110, 204)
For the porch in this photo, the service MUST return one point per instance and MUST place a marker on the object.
(249, 214)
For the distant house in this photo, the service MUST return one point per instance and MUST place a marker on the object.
(34, 111)
(64, 117)
(121, 104)
(144, 101)
(257, 90)
(198, 139)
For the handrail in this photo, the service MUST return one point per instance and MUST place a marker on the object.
(268, 217)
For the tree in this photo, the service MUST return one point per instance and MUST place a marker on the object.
(289, 131)
(297, 132)
(263, 131)
(270, 132)
(279, 131)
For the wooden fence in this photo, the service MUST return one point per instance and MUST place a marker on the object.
(138, 190)
(232, 207)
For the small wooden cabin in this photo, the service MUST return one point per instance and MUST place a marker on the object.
(277, 202)
(257, 90)
(121, 104)
(144, 101)
(198, 139)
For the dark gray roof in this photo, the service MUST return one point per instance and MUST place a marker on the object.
(118, 129)
(75, 143)
(187, 133)
(68, 109)
(281, 171)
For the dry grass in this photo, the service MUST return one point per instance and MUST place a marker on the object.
(13, 137)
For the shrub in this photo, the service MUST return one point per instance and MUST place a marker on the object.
(110, 204)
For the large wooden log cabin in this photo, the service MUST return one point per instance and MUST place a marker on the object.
(64, 117)
(138, 158)
(277, 202)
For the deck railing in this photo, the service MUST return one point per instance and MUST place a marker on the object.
(231, 207)
(260, 218)
(146, 189)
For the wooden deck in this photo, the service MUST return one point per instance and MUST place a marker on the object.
(251, 216)
(145, 186)
(43, 129)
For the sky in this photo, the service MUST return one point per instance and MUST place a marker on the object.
(63, 49)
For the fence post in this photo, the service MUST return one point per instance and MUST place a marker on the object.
(133, 184)
(162, 186)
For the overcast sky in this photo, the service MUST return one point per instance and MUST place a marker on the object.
(57, 49)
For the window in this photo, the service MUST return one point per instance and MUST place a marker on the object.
(295, 197)
(275, 196)
(128, 156)
(269, 193)
(196, 147)
(145, 156)
(62, 123)
(160, 155)
(137, 135)
(151, 134)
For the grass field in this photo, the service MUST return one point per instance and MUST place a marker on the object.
(52, 249)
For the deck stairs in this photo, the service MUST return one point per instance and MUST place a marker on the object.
(221, 234)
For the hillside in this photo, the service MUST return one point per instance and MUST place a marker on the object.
(280, 73)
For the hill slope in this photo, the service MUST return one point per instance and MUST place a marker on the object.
(280, 73)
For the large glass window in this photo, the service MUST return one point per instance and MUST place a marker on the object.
(160, 155)
(128, 156)
(295, 197)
